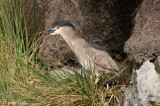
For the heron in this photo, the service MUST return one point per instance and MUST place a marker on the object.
(90, 55)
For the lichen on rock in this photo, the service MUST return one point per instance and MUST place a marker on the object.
(145, 91)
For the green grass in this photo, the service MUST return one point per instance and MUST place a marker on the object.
(25, 80)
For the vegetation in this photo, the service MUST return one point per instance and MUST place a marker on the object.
(24, 79)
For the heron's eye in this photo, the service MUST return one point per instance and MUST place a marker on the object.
(58, 27)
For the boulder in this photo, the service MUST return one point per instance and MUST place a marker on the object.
(157, 64)
(145, 87)
(144, 43)
(143, 49)
(107, 23)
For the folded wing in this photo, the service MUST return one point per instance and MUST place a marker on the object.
(100, 58)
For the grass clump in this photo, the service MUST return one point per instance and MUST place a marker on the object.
(24, 81)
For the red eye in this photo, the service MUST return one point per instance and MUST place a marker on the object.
(58, 27)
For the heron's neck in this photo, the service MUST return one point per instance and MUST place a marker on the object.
(72, 38)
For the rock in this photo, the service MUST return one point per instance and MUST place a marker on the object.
(146, 90)
(103, 22)
(143, 47)
(130, 98)
(148, 84)
(157, 64)
(52, 46)
(144, 43)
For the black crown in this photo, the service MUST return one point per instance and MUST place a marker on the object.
(62, 23)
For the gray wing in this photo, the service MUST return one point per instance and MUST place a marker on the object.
(92, 44)
(100, 58)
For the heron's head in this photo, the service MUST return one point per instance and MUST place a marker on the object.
(60, 26)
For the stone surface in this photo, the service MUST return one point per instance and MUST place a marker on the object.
(130, 98)
(143, 47)
(52, 46)
(157, 64)
(148, 84)
(145, 91)
(107, 23)
(144, 43)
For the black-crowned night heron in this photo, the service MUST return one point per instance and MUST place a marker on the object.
(89, 54)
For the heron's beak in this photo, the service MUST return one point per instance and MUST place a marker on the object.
(48, 32)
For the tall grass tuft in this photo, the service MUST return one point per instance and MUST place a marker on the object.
(23, 80)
